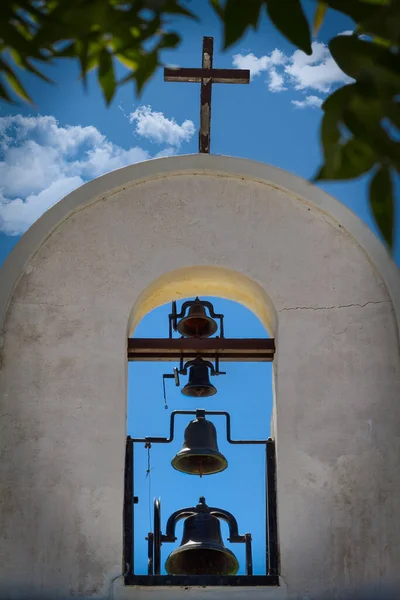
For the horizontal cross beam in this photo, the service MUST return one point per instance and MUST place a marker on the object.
(216, 75)
(227, 350)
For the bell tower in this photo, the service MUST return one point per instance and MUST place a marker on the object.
(72, 293)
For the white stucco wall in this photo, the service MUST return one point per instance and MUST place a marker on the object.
(67, 292)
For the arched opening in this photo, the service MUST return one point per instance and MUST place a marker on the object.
(205, 281)
(245, 392)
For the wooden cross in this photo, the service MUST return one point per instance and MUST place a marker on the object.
(206, 76)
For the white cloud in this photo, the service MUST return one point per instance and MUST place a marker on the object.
(278, 57)
(318, 71)
(296, 72)
(309, 101)
(17, 215)
(257, 65)
(251, 62)
(41, 162)
(155, 127)
(276, 81)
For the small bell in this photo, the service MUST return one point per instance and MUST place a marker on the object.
(202, 551)
(199, 385)
(197, 324)
(199, 454)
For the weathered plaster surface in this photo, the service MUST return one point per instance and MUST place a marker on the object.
(84, 275)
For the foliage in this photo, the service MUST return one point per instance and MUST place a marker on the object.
(95, 32)
(360, 121)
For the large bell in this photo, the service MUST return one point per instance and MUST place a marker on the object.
(199, 454)
(202, 551)
(197, 324)
(199, 385)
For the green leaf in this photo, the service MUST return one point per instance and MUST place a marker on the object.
(347, 161)
(128, 59)
(106, 75)
(237, 19)
(4, 95)
(216, 5)
(147, 66)
(367, 62)
(174, 7)
(25, 63)
(393, 113)
(364, 118)
(14, 82)
(330, 136)
(332, 120)
(356, 9)
(381, 2)
(319, 16)
(169, 40)
(382, 203)
(289, 18)
(82, 53)
(377, 17)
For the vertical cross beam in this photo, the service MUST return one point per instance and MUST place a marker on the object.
(205, 97)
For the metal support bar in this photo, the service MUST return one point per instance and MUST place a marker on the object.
(157, 537)
(163, 440)
(203, 580)
(129, 498)
(199, 413)
(150, 553)
(249, 555)
(227, 350)
(271, 520)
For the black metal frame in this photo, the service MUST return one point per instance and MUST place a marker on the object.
(272, 550)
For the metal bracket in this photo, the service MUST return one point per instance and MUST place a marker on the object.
(174, 375)
(183, 368)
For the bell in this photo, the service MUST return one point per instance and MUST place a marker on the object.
(199, 385)
(197, 324)
(199, 454)
(202, 551)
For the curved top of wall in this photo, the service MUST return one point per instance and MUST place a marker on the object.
(97, 189)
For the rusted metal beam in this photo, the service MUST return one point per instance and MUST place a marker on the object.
(227, 350)
(196, 75)
(205, 97)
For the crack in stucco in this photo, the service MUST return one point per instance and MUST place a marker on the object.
(333, 307)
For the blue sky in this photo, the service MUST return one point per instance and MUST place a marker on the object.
(72, 137)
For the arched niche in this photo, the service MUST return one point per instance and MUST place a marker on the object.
(74, 287)
(201, 280)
